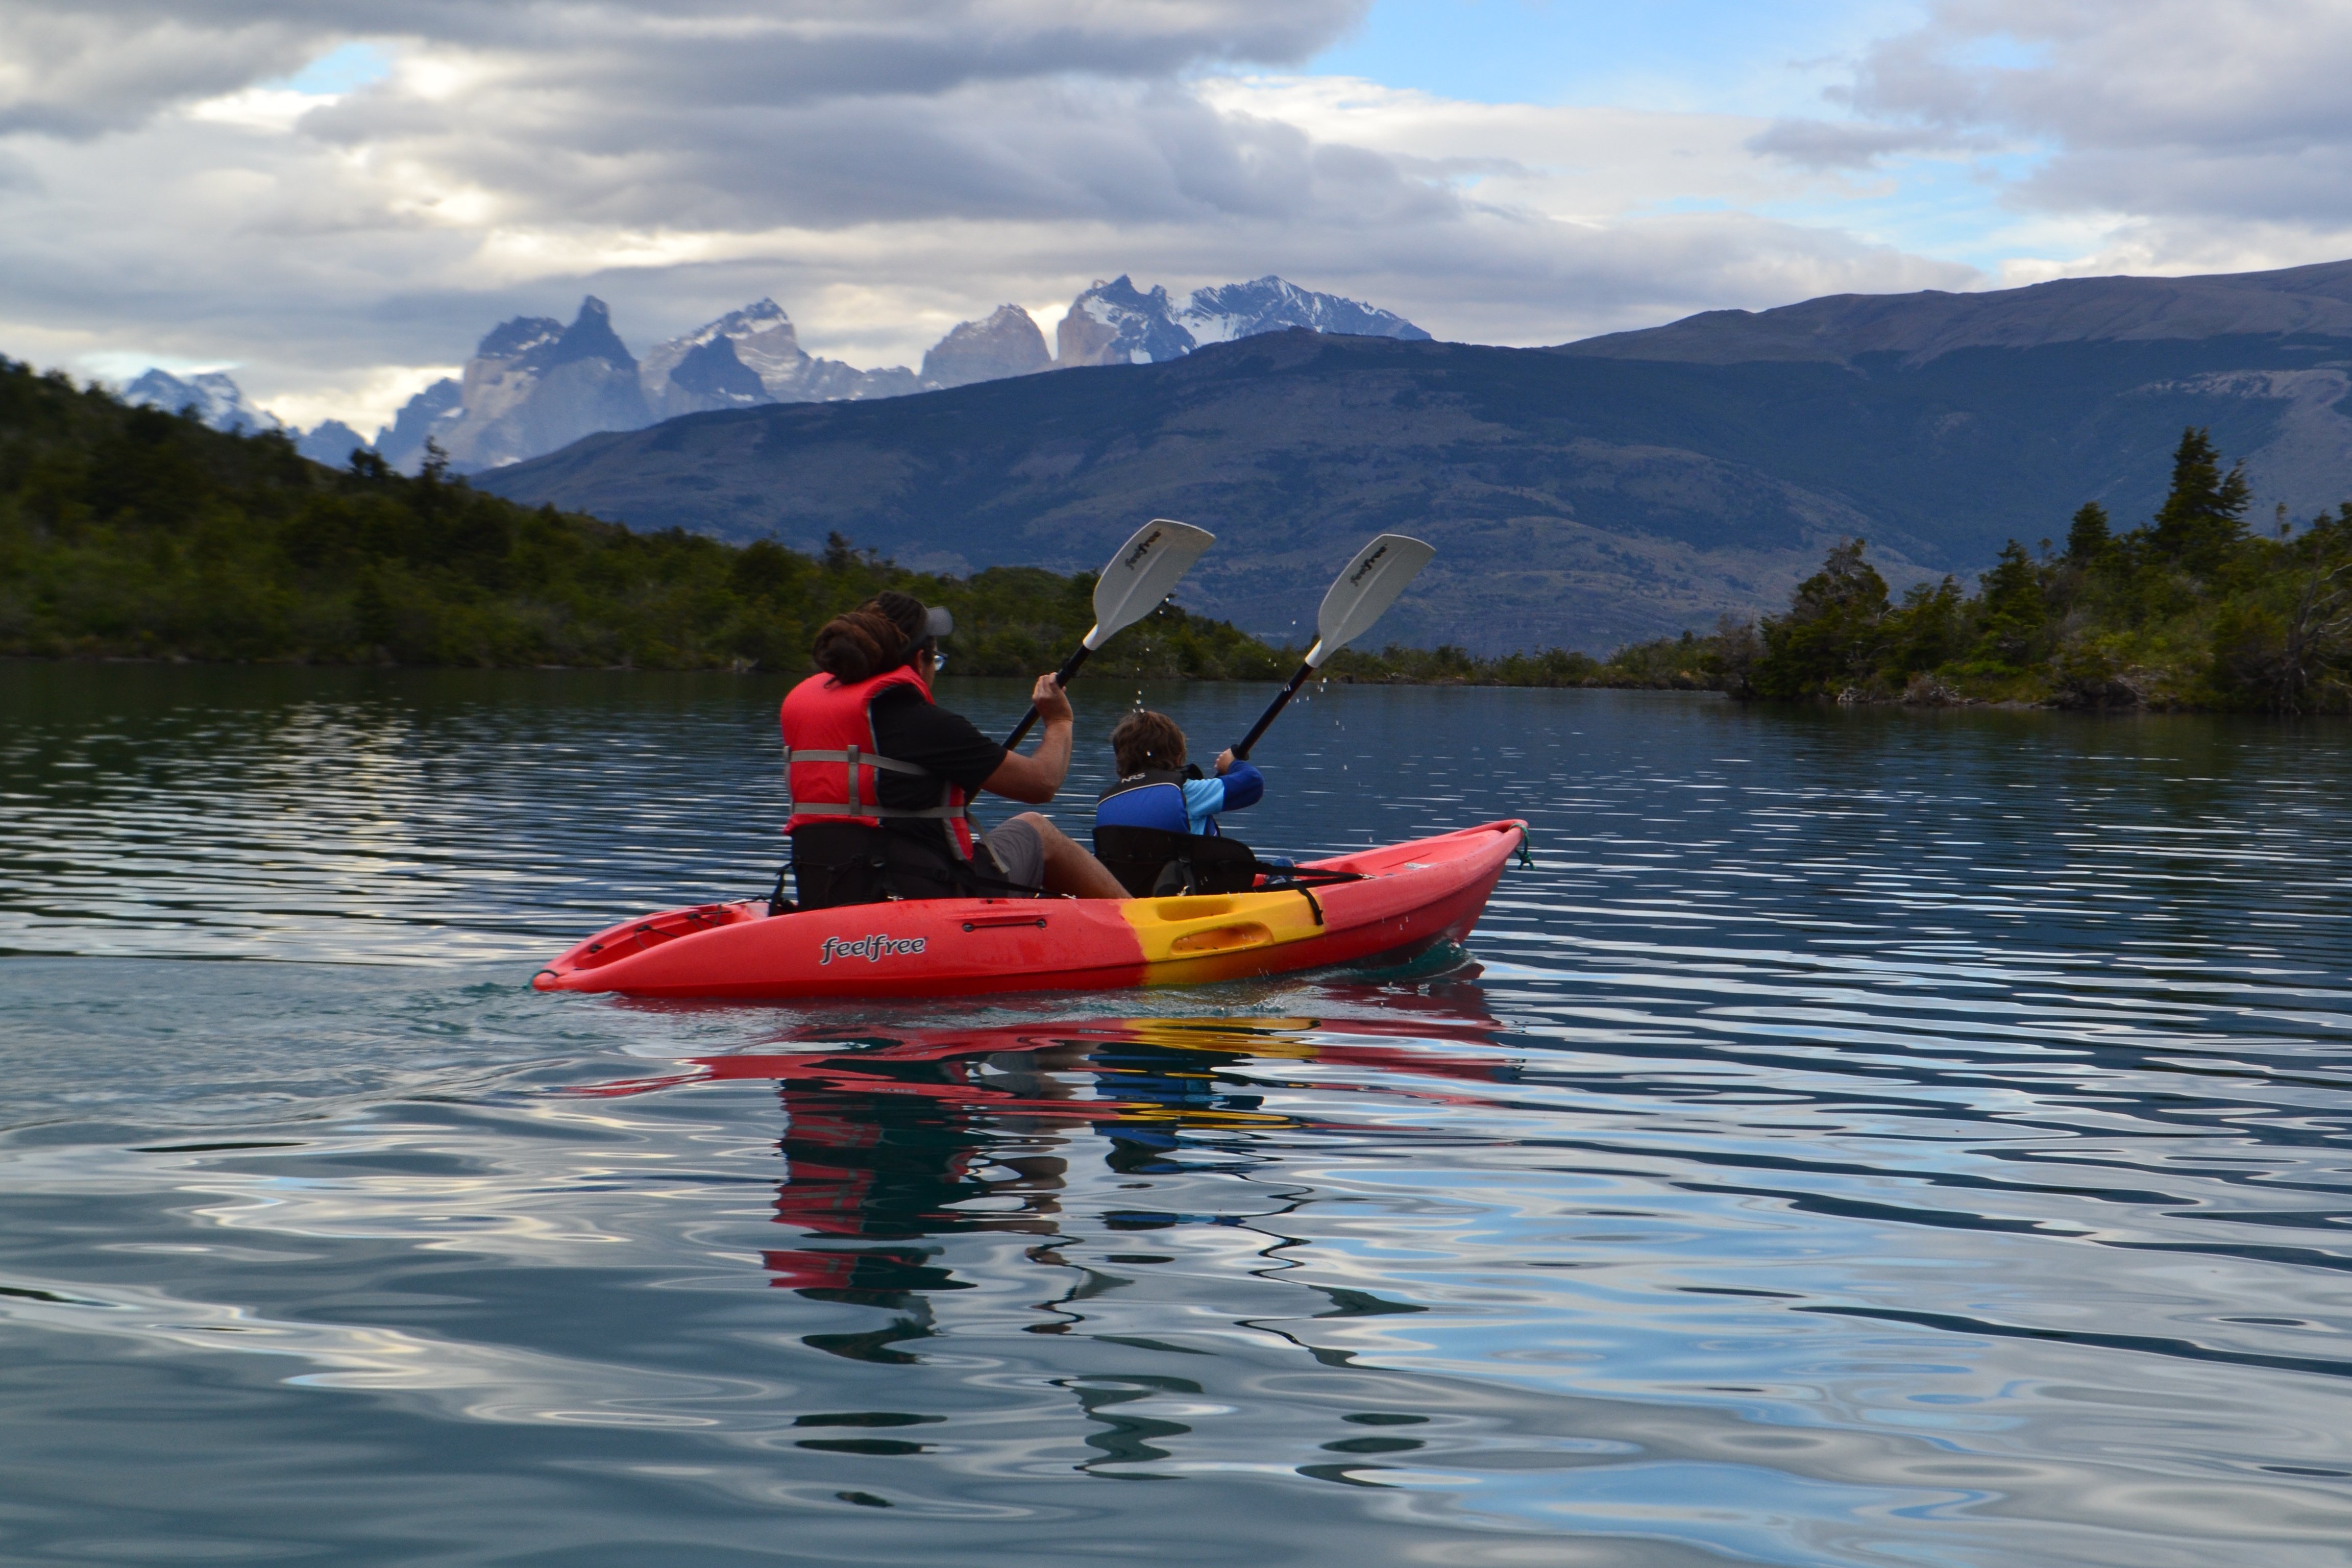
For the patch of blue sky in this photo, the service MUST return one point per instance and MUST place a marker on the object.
(343, 69)
(1954, 208)
(1763, 57)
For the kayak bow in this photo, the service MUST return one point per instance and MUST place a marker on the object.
(1412, 896)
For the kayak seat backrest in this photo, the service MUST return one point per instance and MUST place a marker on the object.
(1151, 862)
(837, 863)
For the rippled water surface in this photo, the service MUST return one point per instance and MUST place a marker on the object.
(1861, 1139)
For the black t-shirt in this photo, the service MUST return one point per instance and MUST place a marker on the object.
(910, 729)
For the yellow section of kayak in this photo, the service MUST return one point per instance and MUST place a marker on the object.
(1177, 934)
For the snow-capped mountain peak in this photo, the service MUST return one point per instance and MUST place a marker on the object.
(520, 338)
(1270, 304)
(220, 403)
(1117, 323)
(217, 400)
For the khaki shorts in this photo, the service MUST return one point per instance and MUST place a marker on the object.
(1018, 851)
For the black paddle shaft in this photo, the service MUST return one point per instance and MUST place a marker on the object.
(1061, 678)
(1241, 752)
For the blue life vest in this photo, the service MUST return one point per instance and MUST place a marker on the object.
(1153, 798)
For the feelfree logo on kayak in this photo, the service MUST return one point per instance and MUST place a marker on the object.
(873, 949)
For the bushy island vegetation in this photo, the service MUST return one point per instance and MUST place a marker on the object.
(134, 532)
(2189, 610)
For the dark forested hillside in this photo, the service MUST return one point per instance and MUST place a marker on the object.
(130, 531)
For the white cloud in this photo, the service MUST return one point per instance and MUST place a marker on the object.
(888, 169)
(2195, 135)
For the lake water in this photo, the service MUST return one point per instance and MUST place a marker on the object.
(1862, 1138)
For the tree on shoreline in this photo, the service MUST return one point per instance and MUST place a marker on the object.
(2189, 610)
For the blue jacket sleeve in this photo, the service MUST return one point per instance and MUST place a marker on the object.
(1244, 785)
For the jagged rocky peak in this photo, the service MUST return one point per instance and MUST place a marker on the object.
(539, 344)
(760, 341)
(712, 370)
(402, 442)
(519, 338)
(590, 336)
(534, 385)
(217, 400)
(331, 442)
(1007, 343)
(1117, 323)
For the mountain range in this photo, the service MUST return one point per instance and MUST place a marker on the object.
(534, 384)
(1584, 495)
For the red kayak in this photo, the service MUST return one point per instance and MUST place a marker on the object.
(1411, 897)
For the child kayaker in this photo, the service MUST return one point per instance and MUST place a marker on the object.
(1155, 789)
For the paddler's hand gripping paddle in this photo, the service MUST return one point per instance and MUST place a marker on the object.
(1141, 574)
(1365, 590)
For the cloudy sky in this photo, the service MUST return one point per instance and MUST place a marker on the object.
(336, 199)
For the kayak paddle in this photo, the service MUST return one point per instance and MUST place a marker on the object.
(1364, 590)
(1141, 574)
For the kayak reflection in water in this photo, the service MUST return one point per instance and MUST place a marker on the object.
(882, 778)
(897, 1143)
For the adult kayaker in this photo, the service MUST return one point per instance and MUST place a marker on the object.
(882, 777)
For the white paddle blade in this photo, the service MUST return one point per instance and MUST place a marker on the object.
(1365, 590)
(1146, 567)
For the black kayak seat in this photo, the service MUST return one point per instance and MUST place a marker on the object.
(1153, 863)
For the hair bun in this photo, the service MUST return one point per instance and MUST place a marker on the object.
(857, 646)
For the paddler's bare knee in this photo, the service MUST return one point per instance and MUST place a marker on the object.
(1069, 866)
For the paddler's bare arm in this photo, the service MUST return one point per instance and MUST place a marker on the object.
(1034, 779)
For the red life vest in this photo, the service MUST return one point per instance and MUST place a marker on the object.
(832, 768)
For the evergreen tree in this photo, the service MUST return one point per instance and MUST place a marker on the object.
(2205, 513)
(2012, 609)
(1928, 629)
(2088, 537)
(1831, 635)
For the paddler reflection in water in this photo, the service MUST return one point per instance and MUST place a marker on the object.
(882, 777)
